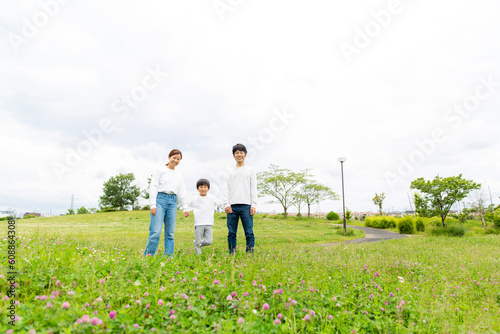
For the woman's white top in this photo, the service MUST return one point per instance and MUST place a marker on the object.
(166, 180)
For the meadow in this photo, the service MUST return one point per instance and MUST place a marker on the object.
(86, 274)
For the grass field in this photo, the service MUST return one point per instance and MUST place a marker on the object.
(86, 274)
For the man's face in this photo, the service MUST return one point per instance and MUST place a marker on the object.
(203, 190)
(239, 156)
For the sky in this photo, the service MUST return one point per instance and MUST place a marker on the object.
(401, 89)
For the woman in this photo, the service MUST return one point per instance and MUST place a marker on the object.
(167, 185)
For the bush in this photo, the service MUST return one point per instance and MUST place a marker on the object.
(490, 230)
(380, 222)
(452, 231)
(349, 232)
(406, 226)
(332, 216)
(419, 223)
(107, 209)
(29, 216)
(146, 207)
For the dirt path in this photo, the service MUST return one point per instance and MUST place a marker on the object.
(372, 235)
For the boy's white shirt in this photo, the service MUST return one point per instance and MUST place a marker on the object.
(203, 208)
(167, 180)
(240, 186)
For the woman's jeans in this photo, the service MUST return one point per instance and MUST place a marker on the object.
(240, 211)
(166, 212)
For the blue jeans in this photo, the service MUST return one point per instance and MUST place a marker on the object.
(240, 211)
(166, 212)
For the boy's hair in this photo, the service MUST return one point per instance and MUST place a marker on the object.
(203, 182)
(239, 147)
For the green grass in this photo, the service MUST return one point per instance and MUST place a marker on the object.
(95, 263)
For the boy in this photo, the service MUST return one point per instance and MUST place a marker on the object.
(203, 206)
(239, 196)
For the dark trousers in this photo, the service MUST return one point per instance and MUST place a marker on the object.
(240, 211)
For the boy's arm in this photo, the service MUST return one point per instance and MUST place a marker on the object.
(182, 199)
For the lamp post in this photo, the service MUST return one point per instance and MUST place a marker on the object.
(342, 160)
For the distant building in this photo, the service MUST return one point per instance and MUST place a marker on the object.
(7, 213)
(36, 214)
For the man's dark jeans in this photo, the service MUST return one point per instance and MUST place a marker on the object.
(240, 211)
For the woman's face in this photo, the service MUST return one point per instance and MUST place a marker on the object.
(174, 160)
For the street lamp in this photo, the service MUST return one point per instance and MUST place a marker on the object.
(342, 160)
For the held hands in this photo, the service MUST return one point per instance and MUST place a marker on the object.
(186, 214)
(252, 210)
(153, 211)
(229, 209)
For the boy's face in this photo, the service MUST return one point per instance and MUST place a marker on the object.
(203, 190)
(239, 156)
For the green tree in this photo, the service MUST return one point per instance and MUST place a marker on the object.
(118, 192)
(378, 200)
(281, 184)
(82, 210)
(145, 192)
(348, 214)
(421, 206)
(70, 212)
(479, 204)
(314, 193)
(298, 201)
(441, 193)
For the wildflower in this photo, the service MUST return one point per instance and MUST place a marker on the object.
(172, 280)
(136, 325)
(391, 295)
(307, 318)
(213, 306)
(195, 279)
(241, 320)
(96, 321)
(49, 305)
(234, 294)
(172, 317)
(160, 302)
(172, 312)
(58, 283)
(229, 298)
(216, 281)
(32, 331)
(330, 317)
(265, 306)
(457, 309)
(280, 316)
(312, 313)
(86, 319)
(71, 293)
(277, 321)
(153, 329)
(245, 294)
(65, 305)
(102, 281)
(44, 297)
(371, 296)
(112, 314)
(162, 288)
(99, 299)
(146, 294)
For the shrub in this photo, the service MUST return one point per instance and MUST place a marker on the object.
(29, 216)
(405, 225)
(380, 222)
(491, 230)
(452, 231)
(496, 220)
(419, 223)
(107, 209)
(349, 232)
(391, 222)
(146, 207)
(332, 216)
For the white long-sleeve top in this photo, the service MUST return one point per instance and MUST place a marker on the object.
(203, 208)
(240, 186)
(167, 181)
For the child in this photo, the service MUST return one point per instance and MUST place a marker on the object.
(240, 198)
(203, 206)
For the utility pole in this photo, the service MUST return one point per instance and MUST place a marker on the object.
(72, 201)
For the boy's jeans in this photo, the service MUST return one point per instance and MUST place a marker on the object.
(166, 212)
(240, 211)
(202, 237)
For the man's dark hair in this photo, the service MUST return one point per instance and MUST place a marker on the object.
(239, 147)
(203, 182)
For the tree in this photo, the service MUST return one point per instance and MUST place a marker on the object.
(145, 192)
(82, 210)
(281, 184)
(314, 193)
(70, 212)
(441, 193)
(298, 201)
(378, 200)
(479, 206)
(348, 214)
(421, 206)
(118, 192)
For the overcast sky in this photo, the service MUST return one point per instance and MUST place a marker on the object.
(402, 89)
